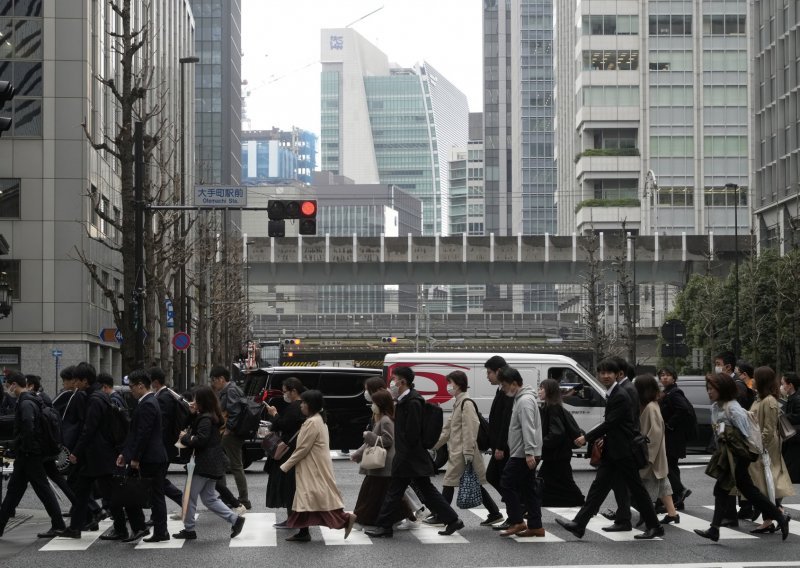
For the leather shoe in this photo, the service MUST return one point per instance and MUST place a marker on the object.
(671, 520)
(136, 535)
(572, 527)
(157, 538)
(379, 532)
(114, 535)
(514, 529)
(52, 533)
(785, 526)
(299, 537)
(456, 525)
(609, 514)
(236, 530)
(502, 526)
(531, 532)
(711, 533)
(729, 523)
(66, 533)
(618, 527)
(650, 533)
(185, 535)
(492, 519)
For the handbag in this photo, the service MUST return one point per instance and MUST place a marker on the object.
(785, 428)
(269, 443)
(641, 452)
(283, 447)
(374, 457)
(469, 489)
(130, 489)
(597, 452)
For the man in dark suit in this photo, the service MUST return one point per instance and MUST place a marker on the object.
(618, 461)
(144, 450)
(167, 402)
(679, 421)
(499, 420)
(411, 461)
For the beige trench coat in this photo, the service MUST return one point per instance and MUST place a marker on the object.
(767, 411)
(316, 485)
(651, 424)
(460, 433)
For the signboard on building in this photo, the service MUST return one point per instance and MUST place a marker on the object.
(220, 196)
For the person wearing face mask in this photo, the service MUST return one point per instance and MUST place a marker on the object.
(460, 433)
(790, 385)
(499, 419)
(281, 485)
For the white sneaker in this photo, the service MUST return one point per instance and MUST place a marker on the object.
(406, 525)
(176, 516)
(240, 510)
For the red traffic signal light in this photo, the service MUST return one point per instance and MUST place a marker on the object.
(278, 209)
(308, 208)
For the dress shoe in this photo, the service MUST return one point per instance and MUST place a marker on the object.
(69, 533)
(785, 526)
(149, 523)
(299, 537)
(492, 519)
(185, 535)
(432, 520)
(91, 527)
(456, 525)
(379, 532)
(281, 525)
(236, 530)
(729, 523)
(769, 529)
(514, 529)
(114, 535)
(136, 535)
(246, 503)
(711, 533)
(351, 520)
(651, 533)
(684, 496)
(667, 520)
(572, 527)
(157, 538)
(52, 533)
(531, 532)
(609, 514)
(502, 526)
(618, 527)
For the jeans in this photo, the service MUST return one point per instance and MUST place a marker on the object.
(518, 484)
(203, 487)
(232, 444)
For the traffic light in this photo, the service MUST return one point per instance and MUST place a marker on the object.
(6, 94)
(391, 339)
(305, 210)
(293, 341)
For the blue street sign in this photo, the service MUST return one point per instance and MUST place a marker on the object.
(57, 352)
(170, 313)
(118, 336)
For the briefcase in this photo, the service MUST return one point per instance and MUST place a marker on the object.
(132, 490)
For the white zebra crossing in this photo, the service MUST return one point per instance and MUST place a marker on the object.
(596, 524)
(83, 543)
(257, 532)
(548, 536)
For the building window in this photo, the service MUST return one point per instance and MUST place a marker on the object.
(94, 217)
(615, 138)
(9, 198)
(610, 25)
(735, 95)
(12, 271)
(610, 60)
(616, 189)
(728, 24)
(21, 52)
(676, 196)
(671, 96)
(671, 146)
(670, 25)
(725, 146)
(670, 61)
(611, 96)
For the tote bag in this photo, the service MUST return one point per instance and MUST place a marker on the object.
(469, 489)
(374, 457)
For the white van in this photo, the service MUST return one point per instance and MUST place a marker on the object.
(583, 396)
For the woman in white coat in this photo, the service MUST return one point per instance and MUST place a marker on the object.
(317, 500)
(460, 433)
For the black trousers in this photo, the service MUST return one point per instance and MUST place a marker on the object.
(494, 471)
(674, 476)
(59, 480)
(430, 496)
(617, 471)
(158, 472)
(623, 499)
(519, 486)
(30, 469)
(744, 484)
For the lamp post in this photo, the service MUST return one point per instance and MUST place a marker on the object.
(247, 281)
(634, 293)
(735, 187)
(184, 317)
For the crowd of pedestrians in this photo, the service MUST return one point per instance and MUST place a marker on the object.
(531, 437)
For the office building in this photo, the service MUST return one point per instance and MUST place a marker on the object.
(390, 125)
(278, 156)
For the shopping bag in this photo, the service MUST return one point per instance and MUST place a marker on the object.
(132, 490)
(469, 489)
(374, 457)
(767, 463)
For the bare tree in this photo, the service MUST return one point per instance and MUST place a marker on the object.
(593, 310)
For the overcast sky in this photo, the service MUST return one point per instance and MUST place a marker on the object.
(281, 46)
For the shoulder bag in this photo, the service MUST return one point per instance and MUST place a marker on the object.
(374, 457)
(283, 447)
(785, 428)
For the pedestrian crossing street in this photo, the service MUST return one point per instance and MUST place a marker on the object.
(259, 533)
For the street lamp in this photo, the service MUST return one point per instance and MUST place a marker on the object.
(5, 296)
(184, 317)
(633, 313)
(247, 281)
(735, 187)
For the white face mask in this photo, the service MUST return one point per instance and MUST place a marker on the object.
(394, 390)
(783, 390)
(451, 390)
(286, 397)
(717, 369)
(367, 396)
(375, 409)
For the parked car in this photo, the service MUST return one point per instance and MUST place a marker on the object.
(346, 409)
(694, 387)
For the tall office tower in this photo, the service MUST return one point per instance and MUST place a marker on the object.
(660, 121)
(52, 54)
(218, 91)
(278, 156)
(386, 124)
(776, 77)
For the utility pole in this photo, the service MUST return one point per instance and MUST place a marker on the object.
(736, 339)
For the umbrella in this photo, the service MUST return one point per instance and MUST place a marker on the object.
(767, 463)
(187, 489)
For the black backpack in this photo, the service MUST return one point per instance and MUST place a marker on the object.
(50, 427)
(118, 424)
(249, 418)
(483, 427)
(432, 424)
(183, 415)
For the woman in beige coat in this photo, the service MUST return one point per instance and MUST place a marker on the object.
(460, 433)
(767, 410)
(317, 500)
(651, 424)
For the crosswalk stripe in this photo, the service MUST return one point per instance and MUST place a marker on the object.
(430, 535)
(59, 544)
(335, 537)
(257, 532)
(172, 528)
(689, 523)
(595, 525)
(548, 536)
(794, 527)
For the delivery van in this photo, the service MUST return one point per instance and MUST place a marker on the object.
(583, 395)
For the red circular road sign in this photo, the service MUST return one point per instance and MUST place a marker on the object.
(181, 341)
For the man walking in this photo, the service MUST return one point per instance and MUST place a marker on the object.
(499, 419)
(518, 483)
(411, 463)
(167, 402)
(229, 397)
(618, 461)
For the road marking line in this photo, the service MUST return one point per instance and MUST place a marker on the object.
(59, 544)
(689, 523)
(595, 525)
(482, 513)
(172, 527)
(430, 535)
(257, 532)
(794, 527)
(335, 537)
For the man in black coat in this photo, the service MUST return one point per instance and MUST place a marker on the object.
(29, 458)
(499, 420)
(168, 403)
(144, 450)
(679, 420)
(411, 460)
(618, 461)
(790, 386)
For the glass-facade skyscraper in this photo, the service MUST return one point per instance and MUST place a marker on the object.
(278, 156)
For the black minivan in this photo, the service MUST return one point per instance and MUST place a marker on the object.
(348, 412)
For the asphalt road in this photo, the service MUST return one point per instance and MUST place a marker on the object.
(474, 546)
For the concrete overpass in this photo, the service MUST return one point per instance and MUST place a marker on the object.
(488, 260)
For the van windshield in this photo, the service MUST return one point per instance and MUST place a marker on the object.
(575, 390)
